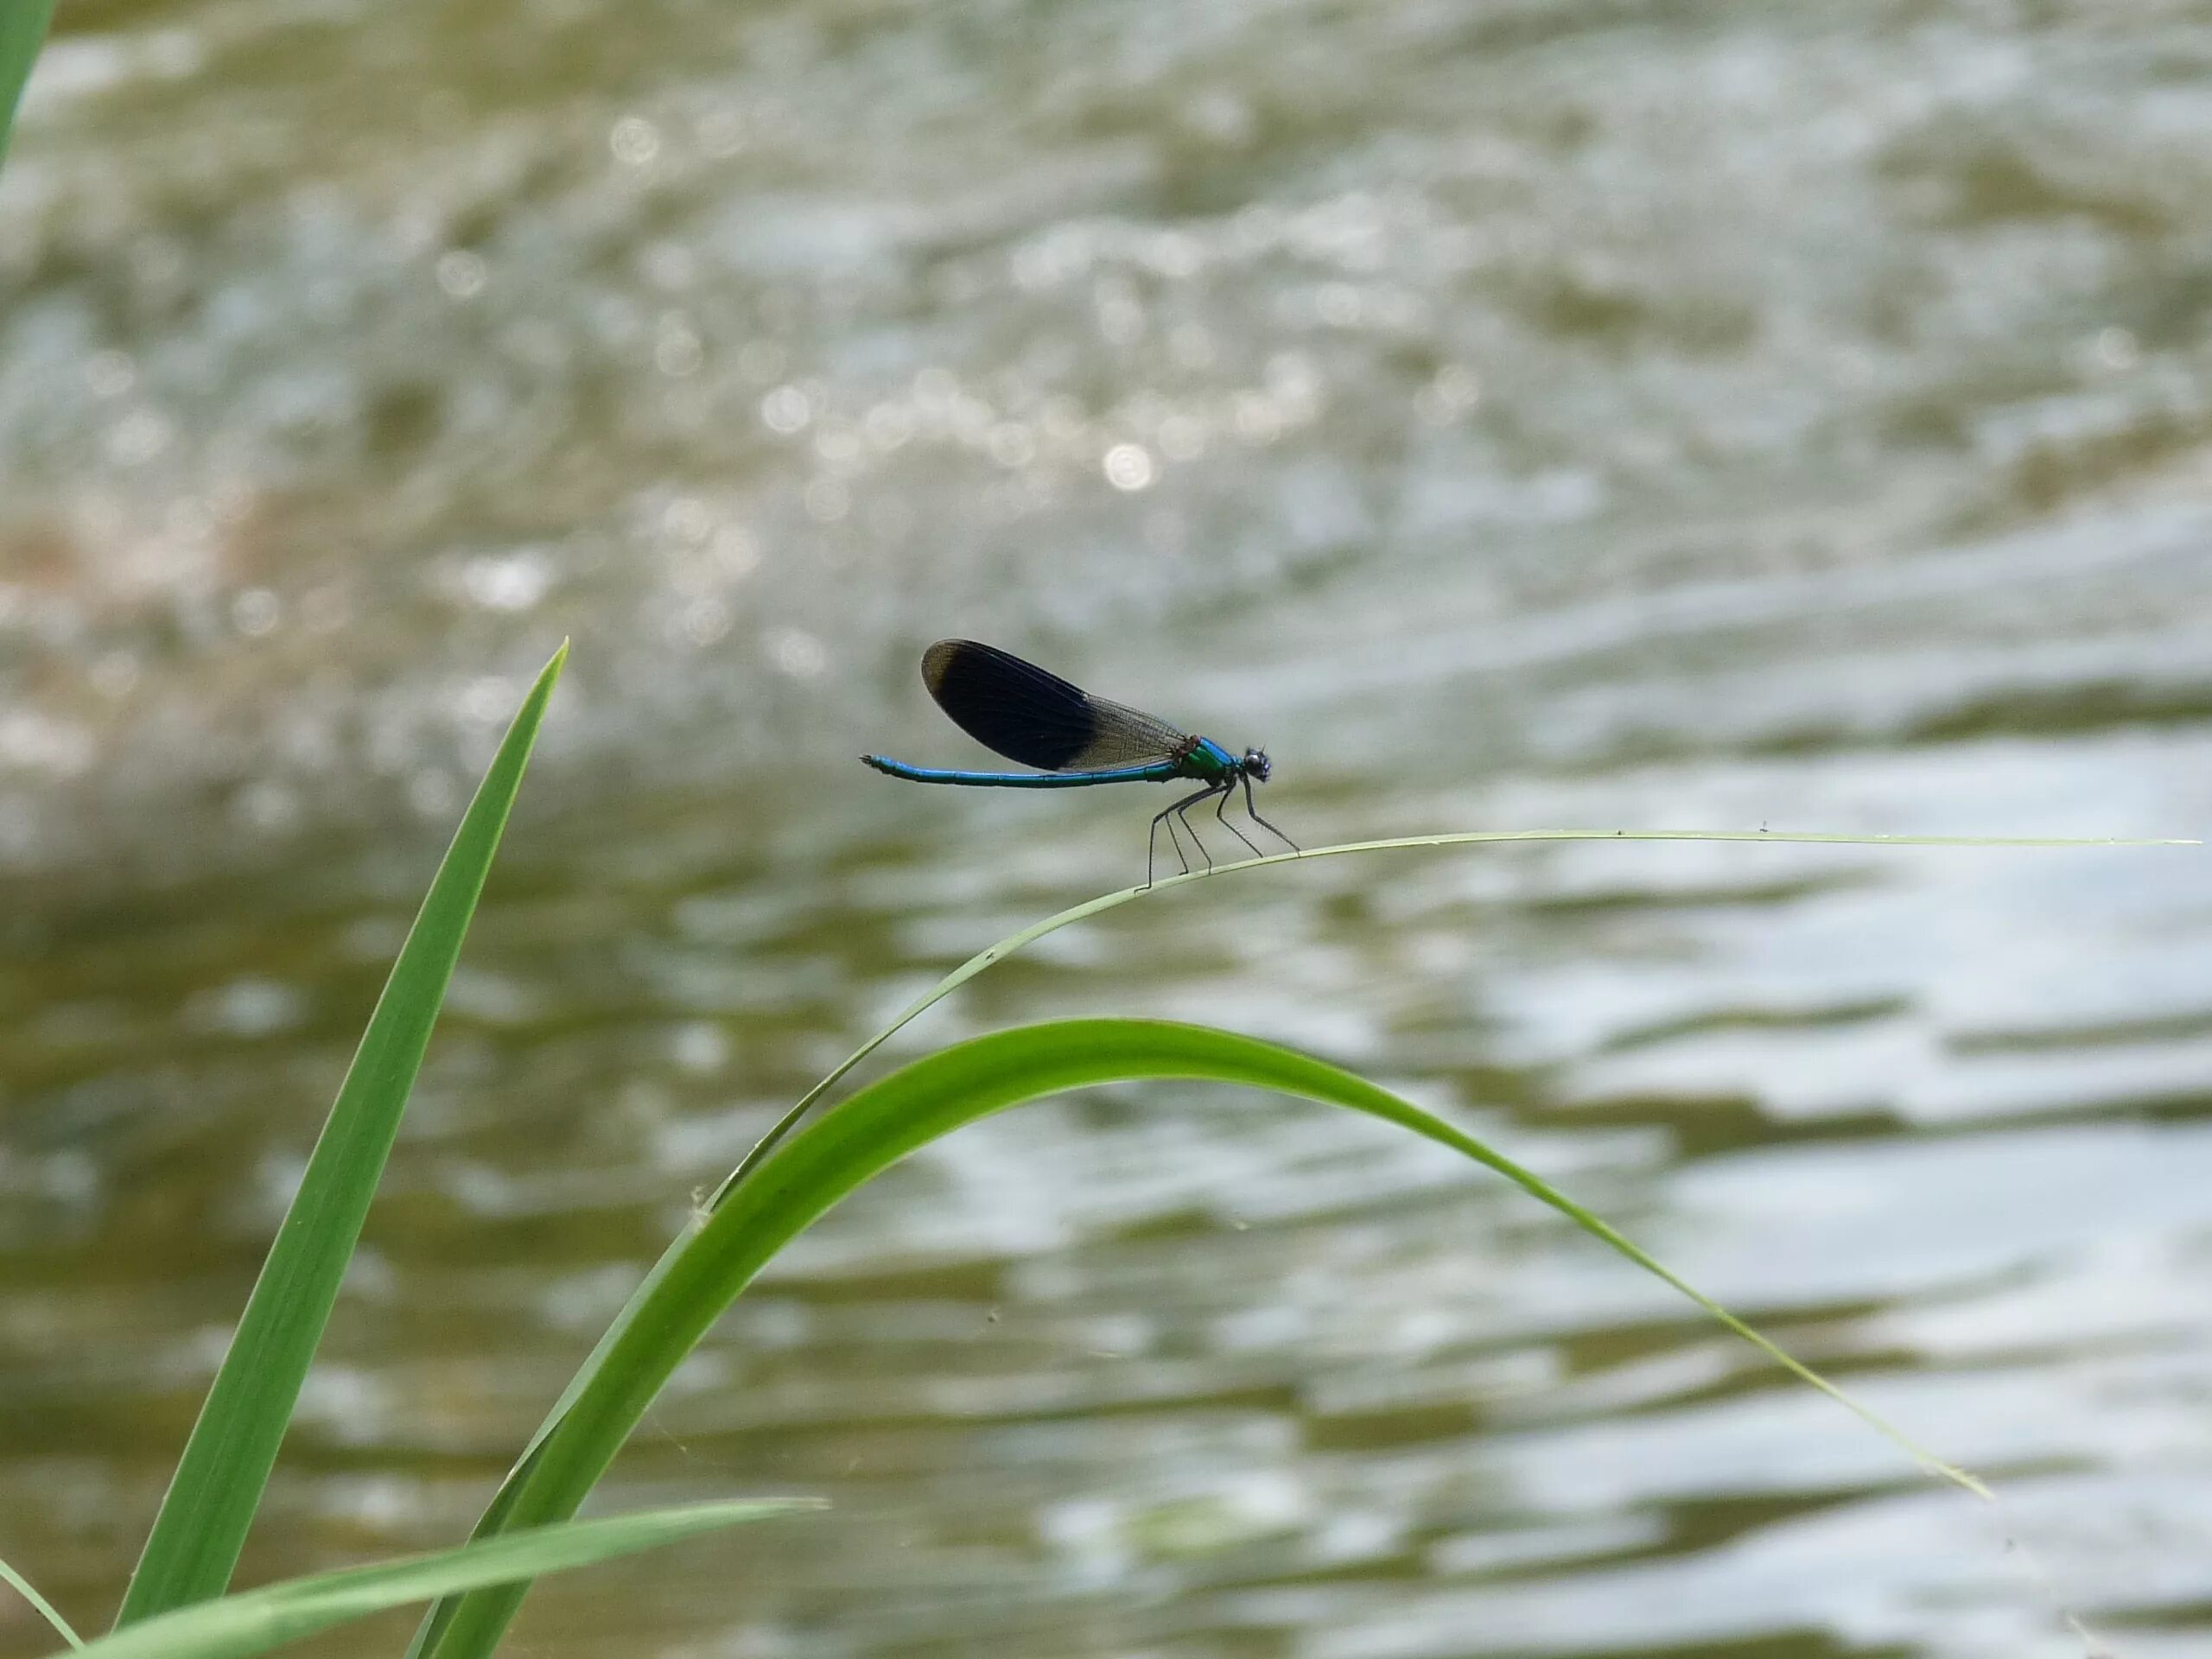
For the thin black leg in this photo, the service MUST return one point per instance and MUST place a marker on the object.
(1175, 840)
(1183, 812)
(1152, 846)
(1152, 839)
(1262, 822)
(1221, 812)
(1180, 809)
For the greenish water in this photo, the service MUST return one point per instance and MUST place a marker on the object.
(1507, 415)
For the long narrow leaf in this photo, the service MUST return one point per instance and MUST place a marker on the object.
(211, 1498)
(22, 27)
(254, 1621)
(495, 1515)
(868, 1133)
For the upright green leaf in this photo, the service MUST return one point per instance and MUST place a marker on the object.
(254, 1621)
(211, 1503)
(22, 27)
(822, 1163)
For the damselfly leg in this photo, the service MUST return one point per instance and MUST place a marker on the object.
(1221, 812)
(1262, 822)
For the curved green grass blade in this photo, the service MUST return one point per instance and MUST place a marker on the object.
(861, 1136)
(23, 1587)
(254, 1621)
(495, 1517)
(195, 1545)
(22, 27)
(1036, 930)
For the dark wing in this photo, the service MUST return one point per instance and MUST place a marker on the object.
(1036, 718)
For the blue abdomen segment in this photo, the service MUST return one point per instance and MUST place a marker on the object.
(1153, 772)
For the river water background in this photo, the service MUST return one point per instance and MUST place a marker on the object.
(1559, 412)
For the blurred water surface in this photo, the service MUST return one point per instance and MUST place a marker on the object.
(1517, 413)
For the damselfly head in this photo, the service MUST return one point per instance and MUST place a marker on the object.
(1255, 764)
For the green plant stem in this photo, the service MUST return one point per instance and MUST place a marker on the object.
(47, 1609)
